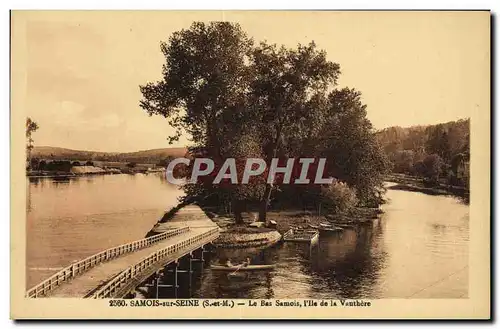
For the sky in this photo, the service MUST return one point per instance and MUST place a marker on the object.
(83, 69)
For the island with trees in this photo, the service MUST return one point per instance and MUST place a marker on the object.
(238, 98)
(235, 97)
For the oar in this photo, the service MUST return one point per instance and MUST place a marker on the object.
(237, 269)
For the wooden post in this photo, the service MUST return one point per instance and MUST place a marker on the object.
(190, 273)
(176, 264)
(202, 259)
(156, 280)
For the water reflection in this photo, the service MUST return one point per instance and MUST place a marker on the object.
(349, 263)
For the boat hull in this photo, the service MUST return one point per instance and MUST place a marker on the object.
(330, 230)
(301, 236)
(242, 268)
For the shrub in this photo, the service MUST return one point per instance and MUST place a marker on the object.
(338, 198)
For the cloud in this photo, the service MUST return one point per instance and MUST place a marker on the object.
(67, 113)
(71, 115)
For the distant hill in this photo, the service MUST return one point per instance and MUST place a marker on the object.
(146, 156)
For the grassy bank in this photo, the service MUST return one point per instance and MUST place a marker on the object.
(250, 233)
(415, 184)
(247, 237)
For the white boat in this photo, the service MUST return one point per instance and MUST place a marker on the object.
(242, 267)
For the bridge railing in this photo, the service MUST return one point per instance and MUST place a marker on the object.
(121, 279)
(83, 265)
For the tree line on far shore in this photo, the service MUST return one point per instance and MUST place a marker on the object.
(56, 165)
(244, 99)
(436, 153)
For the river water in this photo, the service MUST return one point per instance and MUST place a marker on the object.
(71, 219)
(417, 249)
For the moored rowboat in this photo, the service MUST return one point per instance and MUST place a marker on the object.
(301, 236)
(330, 229)
(242, 268)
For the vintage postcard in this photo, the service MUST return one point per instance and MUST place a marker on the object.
(250, 164)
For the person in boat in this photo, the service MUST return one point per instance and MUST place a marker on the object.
(247, 262)
(228, 263)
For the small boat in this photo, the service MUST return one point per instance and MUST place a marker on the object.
(242, 268)
(346, 226)
(301, 236)
(330, 229)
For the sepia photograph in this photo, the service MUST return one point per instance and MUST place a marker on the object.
(243, 160)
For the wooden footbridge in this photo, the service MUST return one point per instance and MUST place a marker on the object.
(115, 272)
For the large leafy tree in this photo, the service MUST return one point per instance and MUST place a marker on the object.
(285, 82)
(204, 83)
(342, 133)
(239, 100)
(204, 93)
(351, 147)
